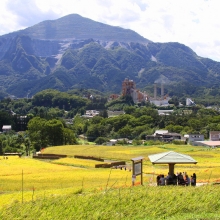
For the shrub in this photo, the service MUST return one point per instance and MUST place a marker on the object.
(177, 142)
(101, 140)
(151, 142)
(137, 142)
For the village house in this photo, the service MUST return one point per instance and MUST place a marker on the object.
(164, 135)
(90, 113)
(6, 128)
(194, 138)
(214, 135)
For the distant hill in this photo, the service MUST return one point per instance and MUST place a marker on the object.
(75, 52)
(74, 26)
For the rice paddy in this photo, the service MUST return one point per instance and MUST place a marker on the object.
(26, 179)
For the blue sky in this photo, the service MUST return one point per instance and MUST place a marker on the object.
(195, 23)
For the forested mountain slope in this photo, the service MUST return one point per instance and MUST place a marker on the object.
(76, 52)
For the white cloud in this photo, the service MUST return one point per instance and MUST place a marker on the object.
(193, 23)
(27, 12)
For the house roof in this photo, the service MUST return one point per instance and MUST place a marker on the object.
(171, 157)
(160, 132)
(113, 140)
(196, 135)
(210, 143)
(172, 134)
(6, 127)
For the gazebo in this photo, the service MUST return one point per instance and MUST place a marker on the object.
(171, 158)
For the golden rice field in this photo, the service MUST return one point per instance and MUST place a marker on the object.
(25, 179)
(207, 168)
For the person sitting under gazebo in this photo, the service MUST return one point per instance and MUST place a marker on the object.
(162, 180)
(171, 179)
(180, 179)
(193, 180)
(187, 180)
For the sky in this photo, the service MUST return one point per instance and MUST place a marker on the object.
(195, 23)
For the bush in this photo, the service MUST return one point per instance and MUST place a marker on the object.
(122, 142)
(137, 142)
(177, 142)
(101, 140)
(10, 150)
(151, 142)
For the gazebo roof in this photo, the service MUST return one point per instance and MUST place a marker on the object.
(171, 157)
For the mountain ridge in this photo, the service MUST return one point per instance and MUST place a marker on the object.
(31, 60)
(59, 29)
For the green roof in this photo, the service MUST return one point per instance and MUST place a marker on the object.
(171, 157)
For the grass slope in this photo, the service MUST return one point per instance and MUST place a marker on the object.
(124, 203)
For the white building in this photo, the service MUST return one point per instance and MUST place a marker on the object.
(160, 132)
(90, 113)
(6, 128)
(189, 102)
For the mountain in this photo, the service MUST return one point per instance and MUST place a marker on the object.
(76, 52)
(76, 27)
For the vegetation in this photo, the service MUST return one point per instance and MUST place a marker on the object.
(133, 203)
(73, 188)
(53, 118)
(29, 66)
(87, 73)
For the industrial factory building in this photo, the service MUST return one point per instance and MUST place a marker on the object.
(129, 88)
(161, 100)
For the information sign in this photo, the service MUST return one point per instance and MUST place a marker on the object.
(137, 168)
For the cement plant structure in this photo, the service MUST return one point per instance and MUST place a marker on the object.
(163, 99)
(129, 88)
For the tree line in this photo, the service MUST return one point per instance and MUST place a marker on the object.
(44, 122)
(137, 122)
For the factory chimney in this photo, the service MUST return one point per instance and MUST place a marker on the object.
(155, 91)
(162, 90)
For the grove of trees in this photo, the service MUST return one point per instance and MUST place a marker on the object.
(44, 122)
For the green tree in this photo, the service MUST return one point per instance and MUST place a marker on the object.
(101, 140)
(174, 128)
(27, 145)
(1, 144)
(129, 109)
(174, 101)
(54, 132)
(69, 136)
(96, 120)
(195, 124)
(125, 132)
(104, 113)
(78, 124)
(37, 132)
(93, 132)
(120, 121)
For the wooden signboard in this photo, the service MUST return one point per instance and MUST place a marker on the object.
(137, 168)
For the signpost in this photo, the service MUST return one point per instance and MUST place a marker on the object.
(137, 168)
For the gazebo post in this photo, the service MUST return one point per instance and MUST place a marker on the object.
(171, 168)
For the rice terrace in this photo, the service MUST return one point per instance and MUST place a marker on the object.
(72, 188)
